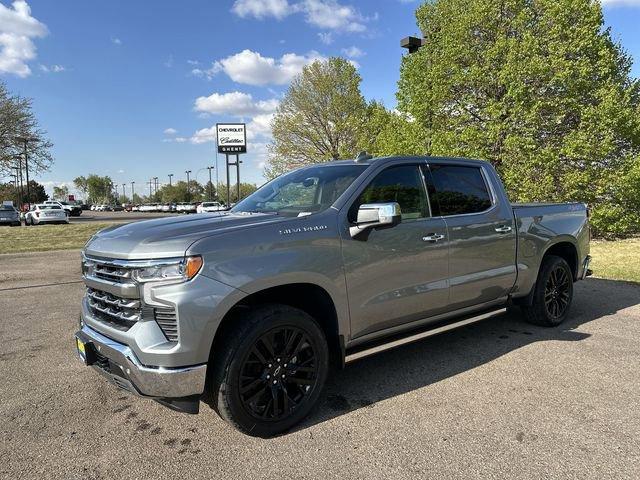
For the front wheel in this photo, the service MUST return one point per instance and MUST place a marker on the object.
(553, 293)
(270, 370)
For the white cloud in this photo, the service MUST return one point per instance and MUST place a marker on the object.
(628, 3)
(353, 52)
(52, 68)
(252, 68)
(262, 8)
(193, 62)
(204, 135)
(326, 37)
(236, 104)
(169, 62)
(170, 131)
(17, 31)
(331, 15)
(260, 126)
(324, 14)
(116, 41)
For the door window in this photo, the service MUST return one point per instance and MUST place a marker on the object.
(458, 190)
(402, 184)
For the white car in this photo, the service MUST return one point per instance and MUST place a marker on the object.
(209, 207)
(42, 213)
(185, 207)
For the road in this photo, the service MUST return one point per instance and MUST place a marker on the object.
(499, 399)
(116, 217)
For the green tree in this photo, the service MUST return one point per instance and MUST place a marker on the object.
(100, 189)
(60, 193)
(18, 122)
(320, 118)
(178, 192)
(246, 189)
(38, 194)
(538, 88)
(81, 184)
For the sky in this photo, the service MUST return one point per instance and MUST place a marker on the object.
(133, 89)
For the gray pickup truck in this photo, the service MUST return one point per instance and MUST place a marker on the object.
(250, 308)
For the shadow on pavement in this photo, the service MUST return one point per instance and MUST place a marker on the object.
(404, 369)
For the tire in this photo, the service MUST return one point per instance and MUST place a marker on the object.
(555, 285)
(254, 405)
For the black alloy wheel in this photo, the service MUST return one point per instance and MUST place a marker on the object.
(556, 292)
(278, 373)
(268, 369)
(552, 294)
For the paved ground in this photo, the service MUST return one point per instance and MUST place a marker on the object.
(500, 399)
(124, 217)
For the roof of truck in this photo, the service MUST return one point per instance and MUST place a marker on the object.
(403, 158)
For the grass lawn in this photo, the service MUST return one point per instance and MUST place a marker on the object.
(616, 260)
(47, 237)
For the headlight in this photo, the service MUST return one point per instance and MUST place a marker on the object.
(182, 270)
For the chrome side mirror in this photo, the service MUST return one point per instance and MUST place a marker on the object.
(371, 215)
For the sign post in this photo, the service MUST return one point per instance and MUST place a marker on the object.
(232, 140)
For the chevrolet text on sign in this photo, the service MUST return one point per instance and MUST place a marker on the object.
(232, 137)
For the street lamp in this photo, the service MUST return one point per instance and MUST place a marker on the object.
(170, 175)
(155, 184)
(188, 190)
(210, 184)
(132, 192)
(25, 141)
(124, 192)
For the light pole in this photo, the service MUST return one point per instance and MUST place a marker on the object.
(210, 184)
(188, 189)
(155, 185)
(132, 192)
(170, 175)
(25, 141)
(150, 190)
(124, 192)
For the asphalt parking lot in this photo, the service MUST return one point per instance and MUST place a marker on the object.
(499, 399)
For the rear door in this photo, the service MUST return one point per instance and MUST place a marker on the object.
(396, 275)
(481, 230)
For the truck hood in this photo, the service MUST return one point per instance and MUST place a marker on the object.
(169, 236)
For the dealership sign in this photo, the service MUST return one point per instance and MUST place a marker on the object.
(232, 137)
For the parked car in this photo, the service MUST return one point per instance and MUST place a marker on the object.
(116, 208)
(319, 267)
(185, 207)
(210, 207)
(45, 213)
(72, 210)
(93, 208)
(135, 208)
(9, 215)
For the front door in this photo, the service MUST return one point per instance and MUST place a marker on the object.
(396, 274)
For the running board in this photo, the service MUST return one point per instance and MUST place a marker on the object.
(351, 357)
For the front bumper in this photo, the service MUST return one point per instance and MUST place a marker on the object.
(119, 365)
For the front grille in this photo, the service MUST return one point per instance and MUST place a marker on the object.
(123, 313)
(112, 273)
(120, 313)
(102, 362)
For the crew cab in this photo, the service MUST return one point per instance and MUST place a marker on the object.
(248, 308)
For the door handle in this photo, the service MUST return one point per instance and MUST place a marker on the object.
(503, 229)
(434, 237)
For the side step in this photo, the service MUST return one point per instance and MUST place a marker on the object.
(398, 342)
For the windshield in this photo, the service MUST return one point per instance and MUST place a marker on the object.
(7, 207)
(301, 192)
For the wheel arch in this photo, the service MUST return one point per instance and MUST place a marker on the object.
(308, 297)
(567, 250)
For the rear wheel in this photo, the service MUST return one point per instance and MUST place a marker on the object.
(553, 293)
(270, 370)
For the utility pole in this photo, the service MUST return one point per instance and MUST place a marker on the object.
(25, 141)
(188, 189)
(124, 192)
(155, 180)
(116, 187)
(170, 175)
(150, 182)
(132, 193)
(210, 184)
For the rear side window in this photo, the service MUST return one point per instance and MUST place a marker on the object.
(402, 184)
(458, 190)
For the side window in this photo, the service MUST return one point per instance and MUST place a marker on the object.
(401, 184)
(458, 190)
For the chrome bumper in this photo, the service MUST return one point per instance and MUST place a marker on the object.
(120, 366)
